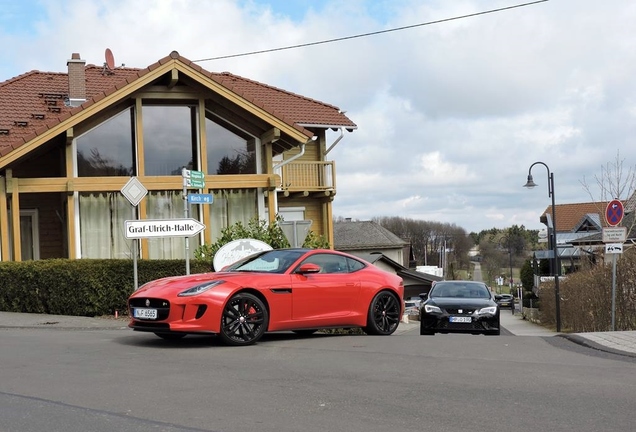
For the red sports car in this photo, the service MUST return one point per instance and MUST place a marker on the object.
(301, 290)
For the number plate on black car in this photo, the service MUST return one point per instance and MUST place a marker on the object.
(459, 319)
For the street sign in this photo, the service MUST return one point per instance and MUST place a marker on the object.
(614, 235)
(614, 212)
(154, 228)
(195, 198)
(134, 191)
(194, 184)
(614, 248)
(194, 175)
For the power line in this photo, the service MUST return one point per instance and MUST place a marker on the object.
(371, 33)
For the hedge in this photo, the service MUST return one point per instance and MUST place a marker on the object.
(84, 287)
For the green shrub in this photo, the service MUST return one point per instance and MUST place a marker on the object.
(84, 287)
(256, 229)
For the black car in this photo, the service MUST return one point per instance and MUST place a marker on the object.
(505, 300)
(459, 307)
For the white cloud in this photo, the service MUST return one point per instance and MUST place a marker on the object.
(450, 116)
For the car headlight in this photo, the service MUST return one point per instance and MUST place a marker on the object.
(196, 290)
(490, 310)
(432, 309)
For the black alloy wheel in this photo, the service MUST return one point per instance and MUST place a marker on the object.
(384, 314)
(244, 320)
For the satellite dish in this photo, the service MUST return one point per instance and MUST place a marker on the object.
(110, 60)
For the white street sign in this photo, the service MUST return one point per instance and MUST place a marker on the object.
(134, 191)
(614, 235)
(154, 228)
(614, 248)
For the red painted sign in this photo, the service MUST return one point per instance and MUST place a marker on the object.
(614, 212)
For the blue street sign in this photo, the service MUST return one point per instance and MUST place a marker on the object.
(200, 198)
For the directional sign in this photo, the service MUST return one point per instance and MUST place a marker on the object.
(614, 212)
(194, 184)
(195, 198)
(194, 175)
(154, 228)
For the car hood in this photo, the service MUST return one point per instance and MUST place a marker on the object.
(453, 302)
(175, 284)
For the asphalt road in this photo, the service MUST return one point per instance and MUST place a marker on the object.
(115, 380)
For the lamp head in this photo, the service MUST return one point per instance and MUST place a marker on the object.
(530, 184)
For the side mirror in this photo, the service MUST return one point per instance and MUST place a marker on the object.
(498, 296)
(423, 296)
(308, 268)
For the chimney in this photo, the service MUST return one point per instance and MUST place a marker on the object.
(76, 80)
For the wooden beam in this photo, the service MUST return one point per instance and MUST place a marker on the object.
(15, 219)
(271, 136)
(174, 78)
(4, 221)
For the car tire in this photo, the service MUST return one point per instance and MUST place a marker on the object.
(424, 331)
(171, 336)
(244, 320)
(383, 317)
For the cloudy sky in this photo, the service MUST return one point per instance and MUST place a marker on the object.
(450, 114)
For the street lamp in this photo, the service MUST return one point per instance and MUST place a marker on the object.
(556, 268)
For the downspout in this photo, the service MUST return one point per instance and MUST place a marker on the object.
(335, 142)
(293, 158)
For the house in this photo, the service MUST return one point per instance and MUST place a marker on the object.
(415, 282)
(356, 237)
(579, 229)
(70, 143)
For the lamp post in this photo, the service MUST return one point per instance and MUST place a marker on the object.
(556, 269)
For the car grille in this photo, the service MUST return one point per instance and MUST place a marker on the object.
(457, 312)
(162, 306)
(472, 326)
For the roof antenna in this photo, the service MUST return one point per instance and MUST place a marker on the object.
(109, 64)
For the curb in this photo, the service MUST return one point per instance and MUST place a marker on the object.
(580, 340)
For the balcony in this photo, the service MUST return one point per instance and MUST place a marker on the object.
(308, 178)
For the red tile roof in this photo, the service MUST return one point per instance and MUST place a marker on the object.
(568, 216)
(35, 101)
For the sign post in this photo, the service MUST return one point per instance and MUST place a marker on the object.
(191, 180)
(614, 213)
(134, 192)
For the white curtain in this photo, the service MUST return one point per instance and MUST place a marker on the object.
(102, 225)
(169, 205)
(231, 206)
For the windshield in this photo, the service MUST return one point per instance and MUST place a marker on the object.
(460, 290)
(272, 261)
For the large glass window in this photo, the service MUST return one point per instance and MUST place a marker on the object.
(230, 207)
(102, 225)
(169, 139)
(228, 153)
(107, 150)
(169, 205)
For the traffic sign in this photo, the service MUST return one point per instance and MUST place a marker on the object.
(134, 191)
(153, 228)
(614, 235)
(194, 175)
(614, 248)
(194, 184)
(614, 212)
(196, 198)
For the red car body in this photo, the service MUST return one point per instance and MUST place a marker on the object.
(301, 290)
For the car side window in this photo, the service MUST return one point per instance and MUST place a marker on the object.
(328, 263)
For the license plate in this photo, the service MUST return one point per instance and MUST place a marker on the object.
(145, 313)
(460, 319)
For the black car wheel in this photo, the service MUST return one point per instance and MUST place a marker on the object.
(171, 336)
(244, 320)
(424, 331)
(384, 314)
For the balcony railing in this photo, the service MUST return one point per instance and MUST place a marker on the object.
(308, 176)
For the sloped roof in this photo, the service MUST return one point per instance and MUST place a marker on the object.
(364, 235)
(34, 102)
(569, 216)
(401, 271)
